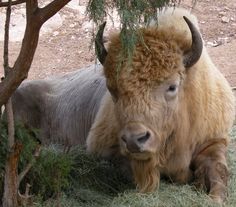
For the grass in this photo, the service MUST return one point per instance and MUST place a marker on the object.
(96, 183)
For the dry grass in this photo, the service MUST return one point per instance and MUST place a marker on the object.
(97, 183)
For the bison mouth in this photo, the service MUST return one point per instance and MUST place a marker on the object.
(142, 156)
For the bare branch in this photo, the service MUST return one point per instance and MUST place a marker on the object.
(35, 19)
(25, 58)
(29, 165)
(6, 39)
(52, 8)
(5, 4)
(25, 198)
(9, 111)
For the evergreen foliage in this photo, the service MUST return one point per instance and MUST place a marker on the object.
(50, 174)
(27, 137)
(132, 14)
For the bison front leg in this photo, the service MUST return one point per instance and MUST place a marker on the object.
(210, 168)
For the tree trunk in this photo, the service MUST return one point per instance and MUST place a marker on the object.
(11, 174)
(11, 178)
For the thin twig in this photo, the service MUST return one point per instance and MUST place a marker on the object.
(6, 39)
(9, 111)
(29, 165)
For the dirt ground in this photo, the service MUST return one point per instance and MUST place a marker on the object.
(68, 48)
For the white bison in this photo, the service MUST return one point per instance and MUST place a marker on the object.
(168, 111)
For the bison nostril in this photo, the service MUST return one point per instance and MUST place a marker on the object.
(124, 139)
(144, 138)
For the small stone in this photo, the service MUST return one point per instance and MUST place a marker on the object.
(223, 40)
(72, 25)
(226, 8)
(82, 10)
(222, 13)
(55, 33)
(225, 19)
(212, 44)
(87, 26)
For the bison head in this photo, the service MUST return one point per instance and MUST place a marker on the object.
(147, 94)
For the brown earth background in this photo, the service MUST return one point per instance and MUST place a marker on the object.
(67, 47)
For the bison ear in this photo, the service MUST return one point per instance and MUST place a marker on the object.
(192, 55)
(99, 44)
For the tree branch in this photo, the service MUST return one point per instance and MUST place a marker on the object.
(29, 165)
(6, 39)
(25, 58)
(35, 18)
(5, 4)
(52, 8)
(9, 111)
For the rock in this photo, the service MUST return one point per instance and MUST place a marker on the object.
(53, 23)
(82, 10)
(212, 44)
(87, 26)
(225, 19)
(72, 25)
(223, 40)
(222, 13)
(55, 33)
(75, 5)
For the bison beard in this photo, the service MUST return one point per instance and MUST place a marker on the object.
(146, 174)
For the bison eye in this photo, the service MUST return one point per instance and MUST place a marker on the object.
(172, 88)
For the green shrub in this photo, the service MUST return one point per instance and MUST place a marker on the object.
(28, 139)
(50, 173)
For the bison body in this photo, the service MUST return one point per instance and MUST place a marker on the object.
(169, 110)
(62, 107)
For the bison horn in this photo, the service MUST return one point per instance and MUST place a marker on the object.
(194, 53)
(99, 44)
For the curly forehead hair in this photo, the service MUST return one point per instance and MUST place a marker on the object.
(155, 58)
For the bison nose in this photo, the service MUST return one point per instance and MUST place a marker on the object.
(134, 142)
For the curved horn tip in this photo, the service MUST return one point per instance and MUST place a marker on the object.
(99, 44)
(194, 53)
